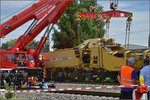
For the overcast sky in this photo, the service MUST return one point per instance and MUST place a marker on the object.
(139, 27)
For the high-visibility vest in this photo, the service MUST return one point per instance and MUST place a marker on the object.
(126, 76)
(44, 72)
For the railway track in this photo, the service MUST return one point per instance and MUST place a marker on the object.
(76, 87)
(71, 93)
(86, 83)
(80, 92)
(100, 94)
(75, 94)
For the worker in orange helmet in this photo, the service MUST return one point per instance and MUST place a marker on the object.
(128, 77)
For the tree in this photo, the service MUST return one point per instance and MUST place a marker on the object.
(9, 44)
(70, 28)
(45, 48)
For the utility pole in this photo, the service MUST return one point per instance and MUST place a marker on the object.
(48, 42)
(149, 40)
(78, 29)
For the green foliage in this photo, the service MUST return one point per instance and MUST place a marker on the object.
(9, 95)
(108, 79)
(45, 48)
(87, 79)
(70, 27)
(97, 80)
(8, 44)
(62, 40)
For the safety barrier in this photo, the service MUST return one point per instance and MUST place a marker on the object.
(61, 89)
(139, 93)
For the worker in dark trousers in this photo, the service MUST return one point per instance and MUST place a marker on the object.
(44, 85)
(127, 77)
(145, 75)
(29, 82)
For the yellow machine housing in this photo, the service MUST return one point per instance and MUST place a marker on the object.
(93, 54)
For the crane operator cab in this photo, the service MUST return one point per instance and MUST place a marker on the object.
(10, 59)
(25, 58)
(21, 60)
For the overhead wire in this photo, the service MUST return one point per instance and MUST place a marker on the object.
(135, 32)
(134, 5)
(18, 10)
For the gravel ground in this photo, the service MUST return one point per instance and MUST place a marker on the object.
(58, 96)
(62, 85)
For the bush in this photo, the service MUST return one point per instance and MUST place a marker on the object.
(87, 79)
(9, 95)
(97, 79)
(108, 79)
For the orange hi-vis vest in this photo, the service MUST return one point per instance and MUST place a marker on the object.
(126, 76)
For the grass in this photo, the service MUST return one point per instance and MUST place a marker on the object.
(2, 98)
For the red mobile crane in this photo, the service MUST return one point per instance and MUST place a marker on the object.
(45, 14)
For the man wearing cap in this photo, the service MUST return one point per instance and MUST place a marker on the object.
(127, 77)
(145, 74)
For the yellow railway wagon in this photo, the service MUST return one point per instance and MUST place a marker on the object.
(61, 58)
(92, 56)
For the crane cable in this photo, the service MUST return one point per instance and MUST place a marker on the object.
(127, 36)
(107, 27)
(113, 6)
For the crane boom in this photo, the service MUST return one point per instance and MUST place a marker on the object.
(36, 11)
(52, 17)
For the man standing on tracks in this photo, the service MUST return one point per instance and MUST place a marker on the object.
(145, 75)
(127, 77)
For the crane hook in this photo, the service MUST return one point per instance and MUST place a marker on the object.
(113, 4)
